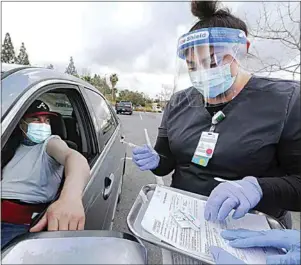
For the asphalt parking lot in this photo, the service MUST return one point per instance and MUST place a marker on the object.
(137, 128)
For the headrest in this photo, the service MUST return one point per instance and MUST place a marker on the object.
(58, 126)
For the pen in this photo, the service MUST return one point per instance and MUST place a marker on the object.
(220, 179)
(229, 181)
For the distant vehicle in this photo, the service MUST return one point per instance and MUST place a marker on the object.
(159, 109)
(124, 107)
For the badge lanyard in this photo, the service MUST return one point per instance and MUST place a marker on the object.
(207, 142)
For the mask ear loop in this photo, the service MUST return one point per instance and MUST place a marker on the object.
(233, 54)
(22, 120)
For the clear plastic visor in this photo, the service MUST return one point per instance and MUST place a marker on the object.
(205, 65)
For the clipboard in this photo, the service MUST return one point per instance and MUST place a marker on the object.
(140, 206)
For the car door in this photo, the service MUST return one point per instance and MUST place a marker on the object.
(109, 168)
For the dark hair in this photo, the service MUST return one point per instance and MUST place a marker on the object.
(210, 15)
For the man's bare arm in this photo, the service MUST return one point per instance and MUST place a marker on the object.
(67, 213)
(77, 170)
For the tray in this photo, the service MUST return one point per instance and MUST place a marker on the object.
(139, 208)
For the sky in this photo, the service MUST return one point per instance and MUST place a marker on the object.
(136, 40)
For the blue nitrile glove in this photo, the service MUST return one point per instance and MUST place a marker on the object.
(241, 195)
(146, 158)
(287, 239)
(221, 256)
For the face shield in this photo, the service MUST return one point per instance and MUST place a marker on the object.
(207, 65)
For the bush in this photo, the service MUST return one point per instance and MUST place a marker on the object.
(144, 109)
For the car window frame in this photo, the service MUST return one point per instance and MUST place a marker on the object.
(68, 89)
(104, 139)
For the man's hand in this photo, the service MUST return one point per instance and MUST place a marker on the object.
(64, 214)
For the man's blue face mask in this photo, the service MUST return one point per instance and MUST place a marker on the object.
(38, 132)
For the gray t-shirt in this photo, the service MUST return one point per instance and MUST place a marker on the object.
(32, 175)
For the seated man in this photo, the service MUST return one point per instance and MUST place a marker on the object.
(31, 179)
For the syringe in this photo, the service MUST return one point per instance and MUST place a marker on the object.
(128, 143)
(134, 145)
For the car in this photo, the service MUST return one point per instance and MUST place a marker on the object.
(158, 109)
(124, 107)
(85, 121)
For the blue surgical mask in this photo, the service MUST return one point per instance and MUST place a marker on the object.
(38, 132)
(214, 81)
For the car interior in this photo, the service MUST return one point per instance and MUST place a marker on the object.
(65, 126)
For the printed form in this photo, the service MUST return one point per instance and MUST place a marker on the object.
(159, 220)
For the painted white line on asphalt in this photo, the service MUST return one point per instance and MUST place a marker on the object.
(159, 180)
(140, 116)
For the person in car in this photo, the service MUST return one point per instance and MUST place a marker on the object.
(31, 179)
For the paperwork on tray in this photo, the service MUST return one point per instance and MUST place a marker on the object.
(178, 220)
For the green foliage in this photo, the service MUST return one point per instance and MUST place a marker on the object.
(87, 78)
(113, 79)
(71, 70)
(23, 56)
(8, 52)
(135, 97)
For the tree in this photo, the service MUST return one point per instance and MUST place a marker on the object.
(50, 66)
(23, 56)
(165, 94)
(71, 70)
(8, 52)
(134, 96)
(282, 26)
(87, 78)
(113, 80)
(101, 84)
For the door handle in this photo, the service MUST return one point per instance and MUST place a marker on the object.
(109, 182)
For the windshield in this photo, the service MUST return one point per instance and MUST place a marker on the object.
(125, 104)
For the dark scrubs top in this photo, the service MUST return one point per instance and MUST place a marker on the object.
(260, 137)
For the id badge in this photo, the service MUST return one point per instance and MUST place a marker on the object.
(206, 144)
(200, 160)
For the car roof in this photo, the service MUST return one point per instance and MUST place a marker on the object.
(16, 79)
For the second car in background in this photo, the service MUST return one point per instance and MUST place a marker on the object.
(124, 107)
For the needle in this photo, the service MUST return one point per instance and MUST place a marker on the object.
(134, 145)
(129, 144)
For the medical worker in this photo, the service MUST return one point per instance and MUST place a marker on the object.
(223, 122)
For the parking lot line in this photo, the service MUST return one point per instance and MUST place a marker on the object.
(140, 116)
